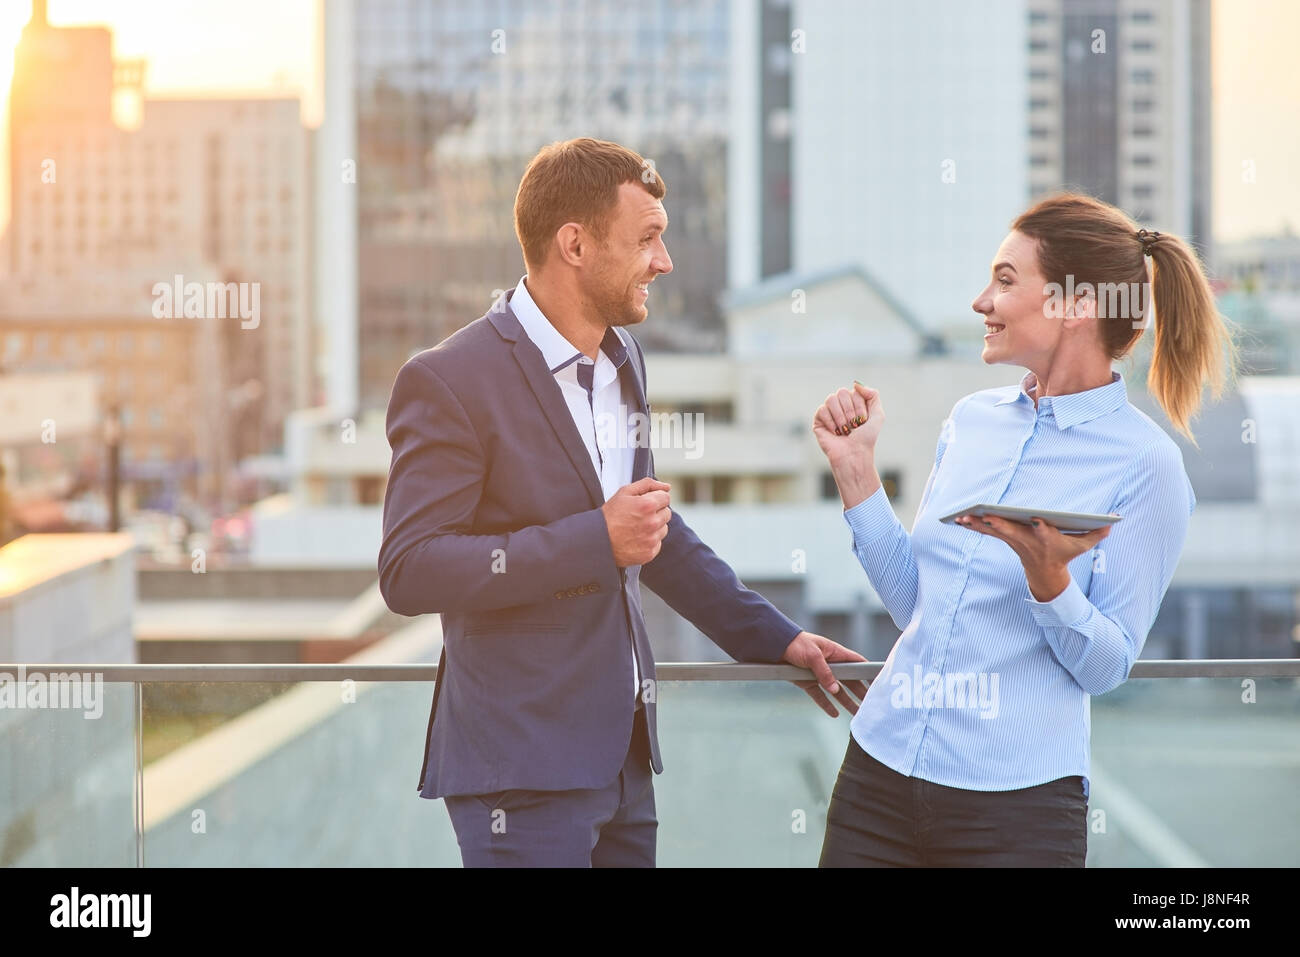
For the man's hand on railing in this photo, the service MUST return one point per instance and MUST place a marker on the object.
(813, 652)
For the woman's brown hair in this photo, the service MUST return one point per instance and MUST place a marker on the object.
(1090, 241)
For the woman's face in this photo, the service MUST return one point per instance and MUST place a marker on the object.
(1017, 327)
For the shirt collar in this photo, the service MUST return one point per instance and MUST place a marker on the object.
(558, 351)
(1077, 407)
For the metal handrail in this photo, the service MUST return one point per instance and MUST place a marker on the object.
(666, 671)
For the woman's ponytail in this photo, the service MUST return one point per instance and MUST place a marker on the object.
(1193, 345)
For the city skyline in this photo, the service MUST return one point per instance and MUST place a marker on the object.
(1253, 91)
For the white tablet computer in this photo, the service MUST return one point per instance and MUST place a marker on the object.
(1065, 521)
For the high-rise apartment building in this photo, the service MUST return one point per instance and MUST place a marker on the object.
(905, 138)
(1119, 105)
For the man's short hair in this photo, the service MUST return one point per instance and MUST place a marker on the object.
(575, 181)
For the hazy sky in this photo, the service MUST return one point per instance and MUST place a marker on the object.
(208, 47)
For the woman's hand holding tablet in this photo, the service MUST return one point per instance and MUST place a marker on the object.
(1067, 522)
(1045, 549)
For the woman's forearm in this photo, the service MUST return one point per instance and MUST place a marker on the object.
(856, 479)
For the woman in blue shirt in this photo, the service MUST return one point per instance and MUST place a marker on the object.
(971, 747)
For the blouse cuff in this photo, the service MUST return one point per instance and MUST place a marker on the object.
(871, 519)
(1066, 610)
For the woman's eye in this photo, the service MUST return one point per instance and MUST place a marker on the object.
(1004, 279)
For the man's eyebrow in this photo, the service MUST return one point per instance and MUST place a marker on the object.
(1002, 265)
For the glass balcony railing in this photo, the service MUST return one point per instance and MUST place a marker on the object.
(1193, 763)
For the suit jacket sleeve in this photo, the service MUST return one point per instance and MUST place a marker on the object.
(428, 561)
(704, 590)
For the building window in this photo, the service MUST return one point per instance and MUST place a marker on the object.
(892, 480)
(830, 490)
(778, 58)
(1144, 76)
(369, 490)
(715, 413)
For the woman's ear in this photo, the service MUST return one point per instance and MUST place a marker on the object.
(1082, 307)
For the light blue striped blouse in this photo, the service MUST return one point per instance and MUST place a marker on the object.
(987, 689)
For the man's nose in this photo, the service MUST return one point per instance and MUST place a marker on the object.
(663, 262)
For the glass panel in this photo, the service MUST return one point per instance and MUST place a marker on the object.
(1184, 771)
(748, 773)
(67, 772)
(251, 775)
(1192, 771)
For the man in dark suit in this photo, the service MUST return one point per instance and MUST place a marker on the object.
(522, 505)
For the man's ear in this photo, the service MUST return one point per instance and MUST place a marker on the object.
(572, 243)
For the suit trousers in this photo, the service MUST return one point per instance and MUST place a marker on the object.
(613, 826)
(880, 818)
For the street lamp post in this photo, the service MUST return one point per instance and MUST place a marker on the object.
(113, 445)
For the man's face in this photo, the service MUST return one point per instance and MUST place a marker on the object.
(632, 256)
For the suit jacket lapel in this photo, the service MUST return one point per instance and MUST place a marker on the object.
(548, 394)
(633, 387)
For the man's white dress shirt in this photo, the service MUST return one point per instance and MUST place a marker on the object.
(601, 418)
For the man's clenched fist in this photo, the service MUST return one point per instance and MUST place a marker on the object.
(637, 519)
